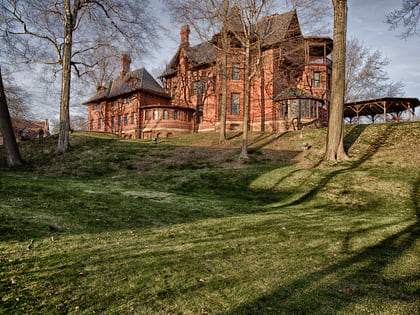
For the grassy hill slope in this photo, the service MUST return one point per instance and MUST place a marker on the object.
(184, 227)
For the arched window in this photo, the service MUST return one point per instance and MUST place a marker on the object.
(165, 114)
(156, 114)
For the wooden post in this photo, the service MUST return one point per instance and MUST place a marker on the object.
(384, 104)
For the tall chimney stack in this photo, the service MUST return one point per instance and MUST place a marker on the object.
(185, 36)
(125, 62)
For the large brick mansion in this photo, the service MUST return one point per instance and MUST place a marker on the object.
(290, 90)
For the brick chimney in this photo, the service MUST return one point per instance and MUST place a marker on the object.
(185, 36)
(125, 62)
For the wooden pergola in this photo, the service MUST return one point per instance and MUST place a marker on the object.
(381, 106)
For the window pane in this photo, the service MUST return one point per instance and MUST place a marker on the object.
(234, 110)
(283, 109)
(317, 76)
(235, 72)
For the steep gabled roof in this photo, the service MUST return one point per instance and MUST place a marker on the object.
(277, 27)
(202, 53)
(138, 79)
(273, 29)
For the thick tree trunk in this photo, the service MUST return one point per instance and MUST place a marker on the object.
(247, 88)
(63, 136)
(335, 137)
(12, 150)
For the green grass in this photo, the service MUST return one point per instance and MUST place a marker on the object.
(183, 227)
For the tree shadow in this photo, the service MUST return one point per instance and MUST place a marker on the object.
(236, 135)
(356, 282)
(265, 143)
(352, 136)
(354, 285)
(371, 151)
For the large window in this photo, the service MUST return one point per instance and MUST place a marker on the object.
(316, 79)
(234, 108)
(126, 119)
(284, 109)
(176, 115)
(100, 123)
(198, 88)
(235, 72)
(156, 114)
(120, 120)
(165, 114)
(113, 122)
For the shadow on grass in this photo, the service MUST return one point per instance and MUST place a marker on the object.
(264, 142)
(38, 207)
(371, 151)
(358, 278)
(351, 137)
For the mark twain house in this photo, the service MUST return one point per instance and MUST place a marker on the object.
(290, 89)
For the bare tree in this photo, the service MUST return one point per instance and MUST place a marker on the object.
(366, 77)
(63, 32)
(335, 136)
(12, 150)
(209, 17)
(251, 39)
(407, 17)
(17, 98)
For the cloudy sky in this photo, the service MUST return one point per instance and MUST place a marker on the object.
(365, 22)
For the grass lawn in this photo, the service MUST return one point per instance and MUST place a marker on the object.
(183, 227)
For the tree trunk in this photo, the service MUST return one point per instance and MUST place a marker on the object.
(247, 88)
(335, 136)
(223, 83)
(224, 73)
(12, 150)
(63, 136)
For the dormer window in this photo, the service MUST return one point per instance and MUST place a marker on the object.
(132, 81)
